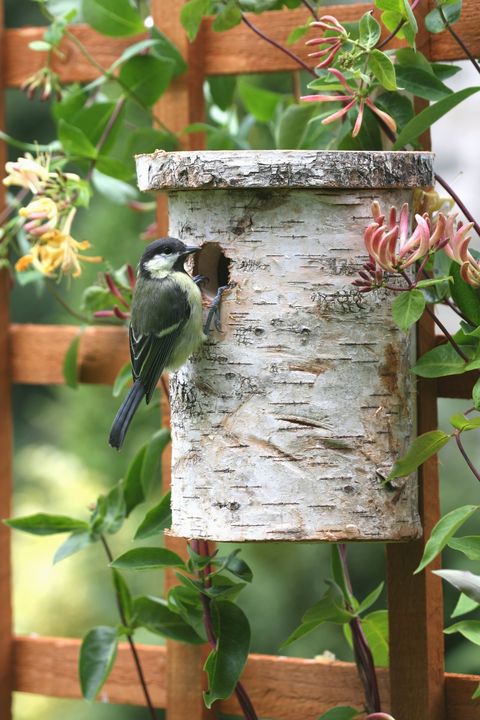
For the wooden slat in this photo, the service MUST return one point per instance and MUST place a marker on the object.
(181, 105)
(281, 688)
(232, 52)
(5, 455)
(457, 386)
(37, 353)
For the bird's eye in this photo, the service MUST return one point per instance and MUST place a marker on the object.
(167, 251)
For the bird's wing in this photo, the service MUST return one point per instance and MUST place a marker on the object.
(150, 351)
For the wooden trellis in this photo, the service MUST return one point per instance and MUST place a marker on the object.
(415, 686)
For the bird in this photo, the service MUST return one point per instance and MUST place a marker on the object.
(165, 324)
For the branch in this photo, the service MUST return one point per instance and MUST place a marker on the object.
(106, 132)
(460, 204)
(131, 642)
(278, 45)
(465, 456)
(397, 29)
(459, 40)
(311, 9)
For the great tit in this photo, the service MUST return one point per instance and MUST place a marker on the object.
(165, 325)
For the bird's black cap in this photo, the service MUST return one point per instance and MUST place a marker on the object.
(168, 246)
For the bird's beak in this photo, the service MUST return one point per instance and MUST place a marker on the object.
(189, 250)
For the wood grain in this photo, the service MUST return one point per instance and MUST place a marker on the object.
(5, 451)
(37, 353)
(233, 52)
(281, 688)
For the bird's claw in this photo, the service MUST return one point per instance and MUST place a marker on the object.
(200, 280)
(214, 310)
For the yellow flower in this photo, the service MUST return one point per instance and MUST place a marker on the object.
(28, 173)
(57, 252)
(42, 214)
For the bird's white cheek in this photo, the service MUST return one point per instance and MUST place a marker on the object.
(159, 266)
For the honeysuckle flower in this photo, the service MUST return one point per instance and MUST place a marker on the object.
(29, 173)
(46, 81)
(456, 247)
(392, 249)
(352, 97)
(57, 252)
(328, 46)
(42, 214)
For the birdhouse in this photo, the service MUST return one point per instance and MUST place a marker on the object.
(287, 421)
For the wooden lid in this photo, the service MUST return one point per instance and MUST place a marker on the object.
(207, 169)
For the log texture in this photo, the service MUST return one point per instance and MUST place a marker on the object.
(286, 423)
(203, 170)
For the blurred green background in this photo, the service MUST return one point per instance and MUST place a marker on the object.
(62, 462)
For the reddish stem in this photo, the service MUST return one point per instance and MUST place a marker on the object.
(396, 29)
(465, 456)
(460, 204)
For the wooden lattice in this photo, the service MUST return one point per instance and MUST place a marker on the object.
(415, 687)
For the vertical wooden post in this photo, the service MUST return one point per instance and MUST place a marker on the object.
(5, 458)
(415, 602)
(181, 105)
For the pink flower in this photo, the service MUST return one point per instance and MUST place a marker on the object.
(351, 98)
(332, 44)
(392, 249)
(456, 247)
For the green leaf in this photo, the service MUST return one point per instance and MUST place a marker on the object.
(413, 58)
(292, 126)
(445, 70)
(222, 90)
(185, 601)
(375, 627)
(470, 629)
(435, 22)
(93, 120)
(73, 544)
(147, 140)
(382, 67)
(421, 83)
(342, 712)
(433, 281)
(463, 606)
(40, 46)
(237, 567)
(155, 615)
(153, 455)
(164, 48)
(115, 510)
(147, 77)
(476, 694)
(465, 296)
(75, 142)
(389, 5)
(370, 599)
(476, 394)
(446, 527)
(116, 18)
(330, 608)
(133, 488)
(147, 558)
(45, 524)
(116, 191)
(122, 379)
(422, 448)
(460, 422)
(225, 664)
(443, 360)
(228, 16)
(407, 308)
(469, 545)
(260, 103)
(192, 14)
(431, 114)
(123, 595)
(156, 519)
(97, 656)
(70, 363)
(370, 31)
(400, 107)
(297, 34)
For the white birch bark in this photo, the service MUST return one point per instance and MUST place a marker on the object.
(285, 424)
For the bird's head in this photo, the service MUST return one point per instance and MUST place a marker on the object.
(163, 256)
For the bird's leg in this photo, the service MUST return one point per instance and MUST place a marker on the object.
(214, 310)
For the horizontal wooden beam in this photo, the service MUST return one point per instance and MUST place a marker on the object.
(281, 688)
(37, 353)
(237, 51)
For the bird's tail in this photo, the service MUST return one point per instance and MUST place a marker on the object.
(124, 416)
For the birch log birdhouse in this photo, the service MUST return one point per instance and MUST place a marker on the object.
(286, 423)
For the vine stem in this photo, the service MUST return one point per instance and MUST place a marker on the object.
(200, 547)
(65, 305)
(459, 40)
(311, 9)
(8, 209)
(449, 337)
(278, 45)
(106, 132)
(130, 639)
(459, 202)
(361, 648)
(465, 456)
